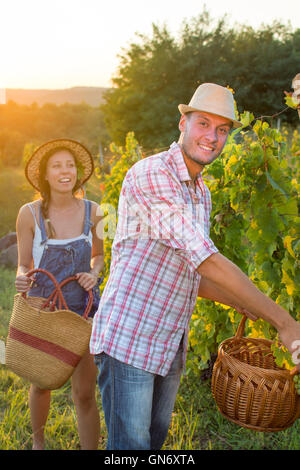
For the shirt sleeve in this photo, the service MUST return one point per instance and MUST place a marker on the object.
(156, 210)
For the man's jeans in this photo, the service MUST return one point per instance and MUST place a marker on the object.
(137, 405)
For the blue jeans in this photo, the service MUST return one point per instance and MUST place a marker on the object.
(137, 404)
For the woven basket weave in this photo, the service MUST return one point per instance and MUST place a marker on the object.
(45, 345)
(249, 388)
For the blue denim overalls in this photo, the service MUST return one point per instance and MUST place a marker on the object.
(65, 260)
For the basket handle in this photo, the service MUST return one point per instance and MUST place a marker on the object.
(63, 283)
(57, 293)
(57, 287)
(241, 328)
(240, 332)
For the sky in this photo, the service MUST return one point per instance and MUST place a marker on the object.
(55, 44)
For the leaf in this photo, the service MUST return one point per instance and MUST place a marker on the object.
(291, 102)
(247, 118)
(274, 184)
(289, 283)
(287, 242)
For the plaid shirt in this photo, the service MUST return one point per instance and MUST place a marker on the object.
(162, 237)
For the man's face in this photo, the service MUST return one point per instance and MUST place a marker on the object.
(203, 136)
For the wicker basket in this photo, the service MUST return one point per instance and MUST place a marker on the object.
(249, 388)
(44, 344)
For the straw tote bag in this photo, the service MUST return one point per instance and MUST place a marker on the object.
(45, 344)
(249, 388)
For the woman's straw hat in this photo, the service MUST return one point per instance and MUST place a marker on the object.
(82, 155)
(214, 99)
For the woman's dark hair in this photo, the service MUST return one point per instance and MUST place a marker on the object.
(45, 188)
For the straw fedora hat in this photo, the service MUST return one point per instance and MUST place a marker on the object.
(214, 99)
(83, 158)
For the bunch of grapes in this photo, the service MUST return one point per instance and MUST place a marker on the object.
(297, 383)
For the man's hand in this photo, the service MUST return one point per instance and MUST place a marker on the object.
(290, 337)
(227, 277)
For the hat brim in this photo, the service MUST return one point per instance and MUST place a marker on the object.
(184, 108)
(81, 153)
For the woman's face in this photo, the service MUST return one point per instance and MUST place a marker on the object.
(61, 171)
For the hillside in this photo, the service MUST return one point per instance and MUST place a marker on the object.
(76, 95)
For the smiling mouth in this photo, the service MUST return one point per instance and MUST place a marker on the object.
(206, 148)
(64, 180)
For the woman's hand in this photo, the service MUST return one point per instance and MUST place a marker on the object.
(87, 280)
(23, 282)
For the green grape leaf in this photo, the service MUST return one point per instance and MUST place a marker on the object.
(274, 184)
(291, 101)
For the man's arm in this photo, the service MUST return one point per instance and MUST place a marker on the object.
(209, 290)
(228, 277)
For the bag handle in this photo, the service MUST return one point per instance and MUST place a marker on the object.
(57, 292)
(57, 288)
(90, 293)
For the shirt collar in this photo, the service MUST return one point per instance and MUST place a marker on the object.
(181, 167)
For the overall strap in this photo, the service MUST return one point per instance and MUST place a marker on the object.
(42, 226)
(87, 222)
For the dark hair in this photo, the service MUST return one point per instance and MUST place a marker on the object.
(45, 188)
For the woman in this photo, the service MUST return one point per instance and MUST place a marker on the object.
(58, 233)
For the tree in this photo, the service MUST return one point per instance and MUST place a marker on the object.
(158, 72)
(145, 92)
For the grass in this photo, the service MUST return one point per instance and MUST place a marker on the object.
(196, 423)
(15, 427)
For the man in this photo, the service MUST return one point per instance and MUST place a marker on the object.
(162, 258)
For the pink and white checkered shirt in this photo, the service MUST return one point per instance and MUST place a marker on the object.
(162, 237)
